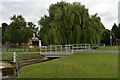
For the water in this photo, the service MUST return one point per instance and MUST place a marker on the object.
(6, 72)
(0, 74)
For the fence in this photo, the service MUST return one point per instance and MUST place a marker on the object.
(50, 48)
(79, 47)
(63, 49)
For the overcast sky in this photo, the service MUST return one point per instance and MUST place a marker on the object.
(33, 10)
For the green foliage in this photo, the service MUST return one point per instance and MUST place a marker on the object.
(4, 26)
(106, 37)
(33, 28)
(116, 30)
(17, 31)
(70, 24)
(0, 35)
(20, 56)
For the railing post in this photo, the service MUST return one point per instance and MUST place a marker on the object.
(72, 48)
(46, 49)
(80, 47)
(50, 49)
(14, 57)
(69, 47)
(56, 48)
(40, 50)
(85, 46)
(89, 46)
(77, 47)
(15, 60)
(61, 48)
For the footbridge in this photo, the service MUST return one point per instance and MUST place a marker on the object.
(63, 50)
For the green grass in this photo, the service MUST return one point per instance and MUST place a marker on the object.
(20, 56)
(108, 48)
(20, 49)
(83, 65)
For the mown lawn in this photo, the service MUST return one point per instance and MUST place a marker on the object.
(108, 48)
(20, 56)
(83, 65)
(20, 49)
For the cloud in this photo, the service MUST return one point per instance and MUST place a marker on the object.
(33, 10)
(119, 12)
(0, 11)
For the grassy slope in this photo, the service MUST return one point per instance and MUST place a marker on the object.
(108, 48)
(94, 65)
(20, 56)
(20, 49)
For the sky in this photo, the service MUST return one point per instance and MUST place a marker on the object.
(33, 10)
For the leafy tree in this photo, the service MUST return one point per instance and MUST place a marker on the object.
(106, 37)
(0, 36)
(118, 32)
(33, 28)
(4, 26)
(70, 24)
(115, 30)
(17, 32)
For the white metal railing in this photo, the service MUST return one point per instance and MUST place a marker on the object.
(56, 49)
(70, 48)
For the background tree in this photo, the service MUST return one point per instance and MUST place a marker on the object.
(118, 32)
(70, 24)
(0, 36)
(4, 27)
(106, 37)
(17, 32)
(115, 30)
(33, 28)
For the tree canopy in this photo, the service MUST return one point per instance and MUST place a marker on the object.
(116, 30)
(17, 31)
(70, 24)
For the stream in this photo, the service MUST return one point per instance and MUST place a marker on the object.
(10, 72)
(6, 72)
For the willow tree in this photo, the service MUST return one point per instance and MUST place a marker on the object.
(70, 24)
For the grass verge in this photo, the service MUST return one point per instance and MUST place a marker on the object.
(20, 56)
(108, 48)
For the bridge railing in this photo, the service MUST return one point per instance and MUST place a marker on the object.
(56, 49)
(78, 47)
(70, 48)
